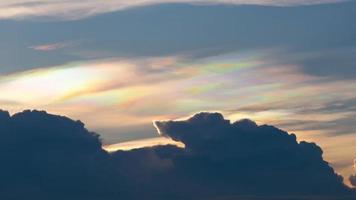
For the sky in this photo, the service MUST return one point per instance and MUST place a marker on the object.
(118, 65)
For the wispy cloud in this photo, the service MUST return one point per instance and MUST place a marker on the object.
(23, 9)
(236, 83)
(51, 46)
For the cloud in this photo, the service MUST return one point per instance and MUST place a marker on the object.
(329, 63)
(136, 144)
(24, 9)
(51, 157)
(245, 153)
(334, 63)
(192, 30)
(132, 90)
(46, 156)
(122, 79)
(352, 179)
(50, 47)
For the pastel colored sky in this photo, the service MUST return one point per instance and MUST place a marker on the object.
(119, 65)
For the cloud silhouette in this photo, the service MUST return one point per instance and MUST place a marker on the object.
(53, 157)
(244, 158)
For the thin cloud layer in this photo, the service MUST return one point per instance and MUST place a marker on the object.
(24, 9)
(50, 47)
(52, 157)
(194, 30)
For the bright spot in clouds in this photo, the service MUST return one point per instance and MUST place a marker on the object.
(150, 142)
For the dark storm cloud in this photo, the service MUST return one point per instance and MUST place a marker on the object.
(197, 31)
(53, 157)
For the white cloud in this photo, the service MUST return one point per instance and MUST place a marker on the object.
(68, 9)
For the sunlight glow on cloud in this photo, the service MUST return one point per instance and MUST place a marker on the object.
(50, 84)
(22, 9)
(234, 83)
(142, 143)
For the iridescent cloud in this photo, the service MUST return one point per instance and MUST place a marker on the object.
(120, 94)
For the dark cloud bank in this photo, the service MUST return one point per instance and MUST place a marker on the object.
(45, 156)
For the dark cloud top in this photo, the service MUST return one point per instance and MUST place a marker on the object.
(52, 157)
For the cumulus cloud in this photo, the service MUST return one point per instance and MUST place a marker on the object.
(21, 9)
(52, 157)
(246, 156)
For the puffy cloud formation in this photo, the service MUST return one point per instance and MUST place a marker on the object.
(244, 158)
(352, 180)
(52, 157)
